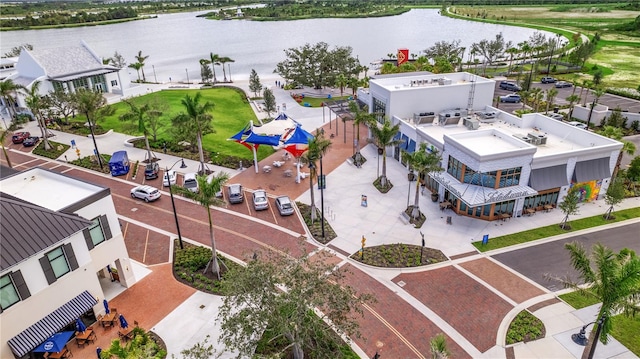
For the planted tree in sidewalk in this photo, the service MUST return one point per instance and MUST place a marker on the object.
(208, 187)
(196, 120)
(139, 117)
(341, 82)
(60, 102)
(93, 105)
(141, 59)
(550, 97)
(136, 66)
(3, 136)
(611, 278)
(318, 147)
(384, 136)
(224, 60)
(269, 101)
(614, 195)
(569, 206)
(254, 83)
(272, 300)
(36, 104)
(360, 116)
(205, 72)
(423, 162)
(215, 60)
(8, 90)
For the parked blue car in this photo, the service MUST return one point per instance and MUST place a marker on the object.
(514, 98)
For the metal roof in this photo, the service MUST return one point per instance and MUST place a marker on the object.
(340, 108)
(27, 229)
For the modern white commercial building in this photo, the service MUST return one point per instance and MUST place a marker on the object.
(496, 166)
(60, 239)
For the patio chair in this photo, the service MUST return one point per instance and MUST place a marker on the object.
(122, 336)
(80, 342)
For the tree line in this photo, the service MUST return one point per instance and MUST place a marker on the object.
(81, 17)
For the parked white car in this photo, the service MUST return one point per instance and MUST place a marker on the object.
(147, 193)
(190, 182)
(578, 124)
(169, 178)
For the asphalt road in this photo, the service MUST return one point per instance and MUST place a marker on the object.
(551, 258)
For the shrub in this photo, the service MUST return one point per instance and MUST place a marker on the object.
(525, 327)
(56, 151)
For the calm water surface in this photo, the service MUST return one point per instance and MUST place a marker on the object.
(175, 42)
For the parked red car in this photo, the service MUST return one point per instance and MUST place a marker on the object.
(19, 137)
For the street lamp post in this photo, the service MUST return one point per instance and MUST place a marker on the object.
(591, 113)
(322, 198)
(154, 73)
(187, 72)
(581, 339)
(173, 203)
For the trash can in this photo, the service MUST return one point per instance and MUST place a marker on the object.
(556, 109)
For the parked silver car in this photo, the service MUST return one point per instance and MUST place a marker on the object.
(284, 205)
(147, 193)
(260, 200)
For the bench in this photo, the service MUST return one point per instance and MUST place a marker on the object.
(404, 217)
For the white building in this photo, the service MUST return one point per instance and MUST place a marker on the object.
(60, 237)
(68, 68)
(496, 167)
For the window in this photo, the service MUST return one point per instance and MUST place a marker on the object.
(58, 262)
(510, 177)
(98, 232)
(454, 168)
(80, 83)
(8, 292)
(114, 82)
(380, 109)
(57, 86)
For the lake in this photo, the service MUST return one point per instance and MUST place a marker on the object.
(176, 42)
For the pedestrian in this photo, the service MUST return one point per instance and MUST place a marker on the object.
(169, 79)
(164, 147)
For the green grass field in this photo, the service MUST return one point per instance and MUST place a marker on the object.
(230, 114)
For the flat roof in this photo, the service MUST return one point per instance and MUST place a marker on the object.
(424, 80)
(48, 189)
(560, 136)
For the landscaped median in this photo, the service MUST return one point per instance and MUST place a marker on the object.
(554, 230)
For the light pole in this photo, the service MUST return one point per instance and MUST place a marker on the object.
(154, 73)
(324, 184)
(590, 113)
(187, 72)
(173, 203)
(581, 339)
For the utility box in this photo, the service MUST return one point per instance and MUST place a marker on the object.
(119, 163)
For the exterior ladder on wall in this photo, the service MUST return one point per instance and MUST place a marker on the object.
(472, 92)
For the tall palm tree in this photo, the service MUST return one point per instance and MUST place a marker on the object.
(140, 115)
(36, 104)
(597, 93)
(140, 58)
(206, 75)
(8, 89)
(550, 97)
(423, 162)
(353, 84)
(318, 148)
(613, 279)
(3, 135)
(512, 51)
(215, 60)
(90, 103)
(572, 101)
(206, 197)
(384, 136)
(341, 82)
(223, 61)
(197, 119)
(360, 116)
(536, 97)
(136, 66)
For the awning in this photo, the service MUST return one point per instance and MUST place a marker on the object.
(592, 170)
(31, 337)
(549, 177)
(80, 75)
(475, 196)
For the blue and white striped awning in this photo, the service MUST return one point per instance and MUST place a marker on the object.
(31, 337)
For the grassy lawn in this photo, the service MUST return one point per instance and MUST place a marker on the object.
(577, 300)
(317, 102)
(623, 60)
(625, 329)
(554, 229)
(230, 115)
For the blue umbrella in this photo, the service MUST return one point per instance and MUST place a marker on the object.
(80, 327)
(106, 306)
(123, 322)
(55, 343)
(98, 351)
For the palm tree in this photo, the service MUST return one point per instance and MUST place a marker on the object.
(215, 60)
(597, 93)
(423, 162)
(140, 116)
(206, 75)
(384, 136)
(136, 66)
(89, 103)
(572, 100)
(512, 51)
(360, 116)
(628, 147)
(615, 281)
(318, 147)
(584, 84)
(8, 88)
(341, 82)
(536, 96)
(206, 197)
(36, 104)
(223, 61)
(140, 58)
(551, 96)
(439, 348)
(3, 135)
(353, 84)
(198, 119)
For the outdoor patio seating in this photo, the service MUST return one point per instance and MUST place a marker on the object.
(278, 163)
(288, 173)
(266, 169)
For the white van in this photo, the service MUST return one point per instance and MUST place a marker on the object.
(190, 182)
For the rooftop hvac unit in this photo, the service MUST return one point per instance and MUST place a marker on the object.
(524, 138)
(538, 139)
(471, 123)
